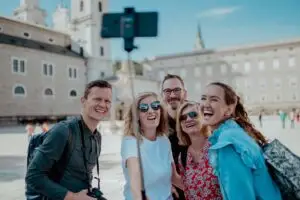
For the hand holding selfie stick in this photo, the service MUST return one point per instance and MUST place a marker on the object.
(129, 25)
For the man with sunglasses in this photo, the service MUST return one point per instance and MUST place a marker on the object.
(174, 94)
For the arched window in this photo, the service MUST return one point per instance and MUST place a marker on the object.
(19, 90)
(73, 93)
(100, 6)
(48, 92)
(81, 6)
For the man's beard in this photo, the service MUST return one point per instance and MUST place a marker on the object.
(175, 106)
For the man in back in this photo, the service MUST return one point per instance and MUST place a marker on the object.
(76, 177)
(174, 94)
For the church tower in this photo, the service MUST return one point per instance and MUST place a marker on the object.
(86, 17)
(199, 45)
(30, 11)
(61, 18)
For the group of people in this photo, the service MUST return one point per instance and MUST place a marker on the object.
(206, 150)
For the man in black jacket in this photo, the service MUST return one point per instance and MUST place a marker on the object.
(76, 179)
(174, 94)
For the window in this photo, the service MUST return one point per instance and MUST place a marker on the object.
(72, 73)
(18, 66)
(209, 70)
(262, 84)
(234, 67)
(294, 97)
(100, 6)
(223, 69)
(198, 86)
(277, 83)
(73, 93)
(161, 75)
(197, 71)
(292, 62)
(182, 73)
(261, 65)
(278, 97)
(101, 51)
(247, 66)
(263, 98)
(276, 63)
(81, 6)
(48, 69)
(247, 84)
(293, 81)
(102, 74)
(48, 92)
(26, 34)
(19, 90)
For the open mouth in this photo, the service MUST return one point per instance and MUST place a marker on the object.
(207, 114)
(151, 118)
(190, 124)
(100, 110)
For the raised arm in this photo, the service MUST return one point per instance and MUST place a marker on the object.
(130, 160)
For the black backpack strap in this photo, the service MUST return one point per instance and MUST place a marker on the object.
(58, 171)
(183, 155)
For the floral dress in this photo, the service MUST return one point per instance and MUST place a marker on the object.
(198, 179)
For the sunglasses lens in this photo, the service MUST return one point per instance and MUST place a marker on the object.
(155, 105)
(183, 117)
(143, 107)
(193, 114)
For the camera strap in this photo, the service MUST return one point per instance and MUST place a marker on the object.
(85, 160)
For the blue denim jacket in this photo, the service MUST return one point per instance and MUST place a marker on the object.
(238, 162)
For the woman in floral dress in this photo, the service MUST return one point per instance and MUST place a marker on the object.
(197, 174)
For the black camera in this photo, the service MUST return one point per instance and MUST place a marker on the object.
(96, 193)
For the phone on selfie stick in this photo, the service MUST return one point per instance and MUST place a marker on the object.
(130, 25)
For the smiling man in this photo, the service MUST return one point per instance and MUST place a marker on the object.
(75, 178)
(174, 94)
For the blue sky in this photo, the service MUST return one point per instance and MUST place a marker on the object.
(224, 23)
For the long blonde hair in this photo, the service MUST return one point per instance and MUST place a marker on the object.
(162, 128)
(183, 137)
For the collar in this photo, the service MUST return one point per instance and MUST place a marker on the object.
(86, 129)
(229, 123)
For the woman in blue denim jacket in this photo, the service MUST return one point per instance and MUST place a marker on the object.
(235, 153)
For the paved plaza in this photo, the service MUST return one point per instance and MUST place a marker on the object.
(13, 145)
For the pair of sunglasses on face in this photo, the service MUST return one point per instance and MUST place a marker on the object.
(144, 107)
(191, 115)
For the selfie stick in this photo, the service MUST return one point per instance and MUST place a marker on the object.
(126, 24)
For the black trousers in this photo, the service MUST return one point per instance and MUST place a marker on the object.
(180, 193)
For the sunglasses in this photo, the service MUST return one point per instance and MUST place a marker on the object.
(192, 115)
(144, 107)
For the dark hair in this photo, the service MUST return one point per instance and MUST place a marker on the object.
(171, 76)
(96, 83)
(240, 115)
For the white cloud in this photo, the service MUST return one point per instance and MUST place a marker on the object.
(217, 12)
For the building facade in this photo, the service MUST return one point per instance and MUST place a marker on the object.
(40, 77)
(266, 76)
(44, 69)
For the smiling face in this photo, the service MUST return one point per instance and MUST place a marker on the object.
(214, 107)
(189, 120)
(149, 112)
(97, 103)
(173, 93)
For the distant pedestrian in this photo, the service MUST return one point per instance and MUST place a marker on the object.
(292, 118)
(30, 130)
(260, 119)
(45, 127)
(282, 116)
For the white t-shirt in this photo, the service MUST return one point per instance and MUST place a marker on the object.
(156, 161)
